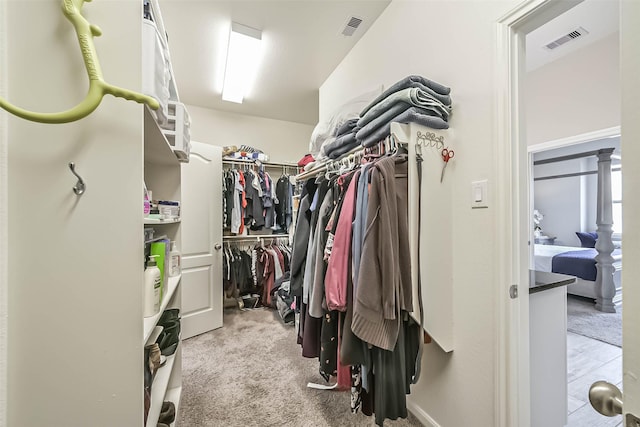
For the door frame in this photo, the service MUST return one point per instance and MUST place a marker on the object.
(512, 219)
(4, 228)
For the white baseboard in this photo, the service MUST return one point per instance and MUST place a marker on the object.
(420, 414)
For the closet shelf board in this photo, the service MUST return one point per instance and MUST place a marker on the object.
(157, 149)
(150, 322)
(153, 221)
(159, 389)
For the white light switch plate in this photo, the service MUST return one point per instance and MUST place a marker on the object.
(479, 195)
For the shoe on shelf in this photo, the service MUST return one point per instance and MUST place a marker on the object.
(167, 413)
(170, 335)
(155, 360)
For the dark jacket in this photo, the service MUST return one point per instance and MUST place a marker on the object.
(300, 244)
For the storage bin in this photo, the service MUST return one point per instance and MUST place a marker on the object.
(169, 208)
(156, 72)
(178, 130)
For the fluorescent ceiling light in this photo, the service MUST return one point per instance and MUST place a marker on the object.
(243, 57)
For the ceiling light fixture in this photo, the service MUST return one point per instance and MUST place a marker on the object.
(243, 57)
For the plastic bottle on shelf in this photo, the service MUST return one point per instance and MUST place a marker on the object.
(174, 260)
(152, 283)
(147, 202)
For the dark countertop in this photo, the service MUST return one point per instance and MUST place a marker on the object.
(542, 280)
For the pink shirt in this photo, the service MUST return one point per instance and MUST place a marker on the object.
(338, 268)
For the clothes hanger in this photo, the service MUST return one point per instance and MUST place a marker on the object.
(98, 87)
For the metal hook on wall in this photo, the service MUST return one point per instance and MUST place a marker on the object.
(80, 186)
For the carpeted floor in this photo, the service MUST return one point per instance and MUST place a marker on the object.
(584, 319)
(251, 373)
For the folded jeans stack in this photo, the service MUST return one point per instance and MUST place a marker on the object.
(413, 99)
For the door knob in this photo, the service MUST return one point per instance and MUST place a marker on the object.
(606, 398)
(218, 246)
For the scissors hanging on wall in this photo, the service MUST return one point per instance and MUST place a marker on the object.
(446, 156)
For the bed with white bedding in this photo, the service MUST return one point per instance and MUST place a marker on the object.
(600, 280)
(581, 263)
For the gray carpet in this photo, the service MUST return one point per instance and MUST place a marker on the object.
(584, 319)
(251, 372)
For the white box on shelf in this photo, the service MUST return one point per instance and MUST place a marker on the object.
(178, 130)
(156, 73)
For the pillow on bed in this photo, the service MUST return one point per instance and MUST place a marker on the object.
(587, 240)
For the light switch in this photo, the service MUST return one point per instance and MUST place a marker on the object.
(477, 191)
(479, 194)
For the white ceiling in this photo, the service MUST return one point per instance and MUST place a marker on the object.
(599, 17)
(303, 45)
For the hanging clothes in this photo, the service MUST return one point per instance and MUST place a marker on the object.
(384, 287)
(284, 209)
(253, 200)
(253, 270)
(338, 271)
(351, 277)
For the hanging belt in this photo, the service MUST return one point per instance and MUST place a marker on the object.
(421, 333)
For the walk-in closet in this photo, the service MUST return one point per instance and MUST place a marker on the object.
(316, 213)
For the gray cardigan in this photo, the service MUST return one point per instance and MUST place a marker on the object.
(384, 281)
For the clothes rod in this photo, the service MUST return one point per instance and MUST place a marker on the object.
(258, 163)
(323, 167)
(255, 237)
(569, 175)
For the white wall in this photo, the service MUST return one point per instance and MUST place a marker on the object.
(283, 141)
(4, 284)
(75, 263)
(569, 204)
(562, 201)
(576, 94)
(452, 43)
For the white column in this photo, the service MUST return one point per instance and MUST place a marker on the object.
(605, 288)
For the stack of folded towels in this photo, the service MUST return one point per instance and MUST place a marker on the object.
(413, 99)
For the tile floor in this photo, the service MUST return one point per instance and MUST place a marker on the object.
(588, 361)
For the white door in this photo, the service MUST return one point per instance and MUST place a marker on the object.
(201, 240)
(630, 149)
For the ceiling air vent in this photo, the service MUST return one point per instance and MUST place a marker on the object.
(351, 26)
(575, 34)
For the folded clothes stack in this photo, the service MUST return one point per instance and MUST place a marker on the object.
(344, 141)
(413, 99)
(245, 152)
(305, 160)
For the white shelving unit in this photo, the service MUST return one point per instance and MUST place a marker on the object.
(154, 221)
(93, 278)
(160, 389)
(162, 176)
(151, 322)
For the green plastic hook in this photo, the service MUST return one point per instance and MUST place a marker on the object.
(98, 88)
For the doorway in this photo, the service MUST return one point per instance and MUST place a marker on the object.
(564, 197)
(513, 227)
